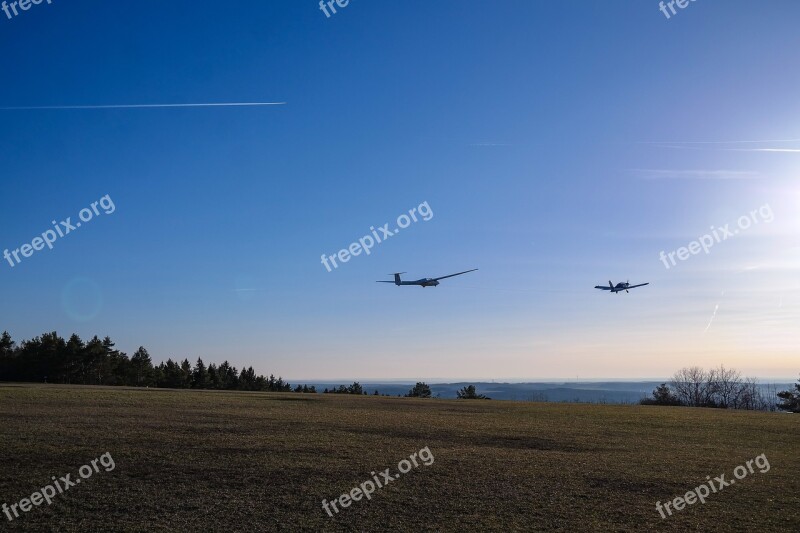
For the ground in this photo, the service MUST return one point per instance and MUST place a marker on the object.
(239, 461)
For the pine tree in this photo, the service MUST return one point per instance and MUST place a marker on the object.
(173, 375)
(790, 400)
(93, 363)
(157, 377)
(200, 375)
(186, 374)
(247, 379)
(114, 365)
(74, 359)
(662, 395)
(228, 376)
(142, 367)
(420, 390)
(469, 393)
(7, 358)
(213, 377)
(50, 364)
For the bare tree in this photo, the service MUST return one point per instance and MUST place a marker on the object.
(771, 393)
(721, 387)
(728, 387)
(750, 397)
(692, 386)
(709, 391)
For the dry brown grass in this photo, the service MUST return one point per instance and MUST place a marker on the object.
(194, 460)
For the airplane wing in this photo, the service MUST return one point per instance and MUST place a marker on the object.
(384, 282)
(452, 275)
(602, 288)
(640, 285)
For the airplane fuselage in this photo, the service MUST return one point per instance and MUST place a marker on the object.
(424, 282)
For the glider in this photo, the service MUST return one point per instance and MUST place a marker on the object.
(424, 282)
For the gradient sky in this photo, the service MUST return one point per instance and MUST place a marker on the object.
(559, 145)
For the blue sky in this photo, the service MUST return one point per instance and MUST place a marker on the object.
(558, 144)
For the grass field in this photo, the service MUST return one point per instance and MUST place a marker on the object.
(237, 461)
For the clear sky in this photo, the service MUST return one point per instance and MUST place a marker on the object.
(558, 144)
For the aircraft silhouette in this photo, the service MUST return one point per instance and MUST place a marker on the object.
(424, 282)
(619, 287)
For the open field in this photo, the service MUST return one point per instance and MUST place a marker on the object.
(241, 461)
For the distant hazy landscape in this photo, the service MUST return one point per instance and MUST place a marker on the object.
(621, 392)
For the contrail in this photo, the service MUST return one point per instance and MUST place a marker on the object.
(696, 146)
(712, 319)
(656, 174)
(781, 150)
(713, 316)
(722, 142)
(142, 106)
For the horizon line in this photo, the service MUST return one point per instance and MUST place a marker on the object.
(445, 381)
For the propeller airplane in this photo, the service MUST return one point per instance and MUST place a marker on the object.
(619, 287)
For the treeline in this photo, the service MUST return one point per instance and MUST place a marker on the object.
(52, 359)
(355, 388)
(420, 390)
(423, 390)
(719, 388)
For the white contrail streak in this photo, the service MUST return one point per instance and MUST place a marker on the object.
(697, 147)
(142, 106)
(722, 142)
(713, 316)
(656, 174)
(712, 319)
(778, 150)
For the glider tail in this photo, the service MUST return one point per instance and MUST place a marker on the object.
(397, 279)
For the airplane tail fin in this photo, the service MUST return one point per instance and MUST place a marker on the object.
(397, 278)
(611, 285)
